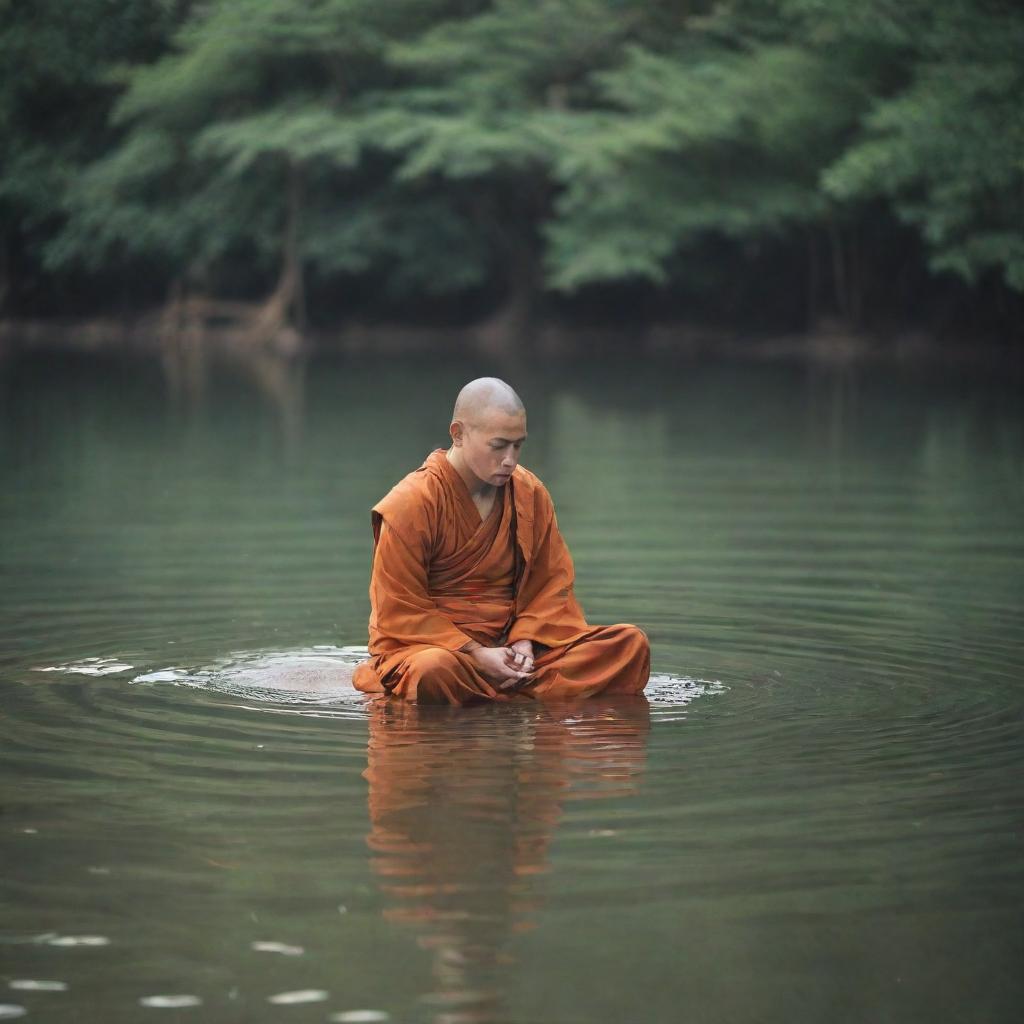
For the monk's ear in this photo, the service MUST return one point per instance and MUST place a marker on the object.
(457, 432)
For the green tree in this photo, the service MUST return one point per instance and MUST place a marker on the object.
(244, 144)
(54, 109)
(468, 118)
(719, 130)
(249, 147)
(947, 147)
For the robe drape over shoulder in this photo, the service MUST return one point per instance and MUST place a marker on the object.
(442, 577)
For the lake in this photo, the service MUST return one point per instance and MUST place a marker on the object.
(817, 815)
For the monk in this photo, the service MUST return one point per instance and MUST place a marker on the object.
(471, 590)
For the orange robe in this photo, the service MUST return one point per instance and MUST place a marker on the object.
(442, 577)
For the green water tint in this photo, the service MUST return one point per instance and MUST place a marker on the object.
(817, 816)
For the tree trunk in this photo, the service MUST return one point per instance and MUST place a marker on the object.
(812, 280)
(840, 283)
(286, 305)
(5, 276)
(509, 327)
(848, 272)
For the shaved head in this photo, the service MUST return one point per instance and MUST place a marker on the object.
(488, 428)
(486, 395)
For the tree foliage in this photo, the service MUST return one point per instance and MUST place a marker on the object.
(544, 145)
(947, 150)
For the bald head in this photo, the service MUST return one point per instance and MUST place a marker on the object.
(488, 429)
(484, 396)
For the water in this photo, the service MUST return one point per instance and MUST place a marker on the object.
(816, 816)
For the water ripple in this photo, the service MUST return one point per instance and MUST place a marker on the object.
(320, 675)
(316, 679)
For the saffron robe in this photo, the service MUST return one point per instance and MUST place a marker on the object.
(442, 577)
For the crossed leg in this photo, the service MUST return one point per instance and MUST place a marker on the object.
(607, 659)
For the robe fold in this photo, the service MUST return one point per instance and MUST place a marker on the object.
(442, 577)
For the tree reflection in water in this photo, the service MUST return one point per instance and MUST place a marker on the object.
(463, 804)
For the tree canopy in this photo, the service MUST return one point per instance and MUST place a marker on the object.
(520, 148)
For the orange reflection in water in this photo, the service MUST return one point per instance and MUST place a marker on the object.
(463, 804)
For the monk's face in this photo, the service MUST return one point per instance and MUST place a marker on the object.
(491, 445)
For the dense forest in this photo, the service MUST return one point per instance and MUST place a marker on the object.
(759, 162)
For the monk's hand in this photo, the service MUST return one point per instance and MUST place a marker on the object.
(496, 663)
(519, 658)
(522, 655)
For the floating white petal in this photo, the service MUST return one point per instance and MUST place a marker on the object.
(305, 995)
(170, 1002)
(79, 940)
(278, 947)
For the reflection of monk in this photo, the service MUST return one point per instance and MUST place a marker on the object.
(472, 585)
(462, 810)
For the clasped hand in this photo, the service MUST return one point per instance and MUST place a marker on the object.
(510, 667)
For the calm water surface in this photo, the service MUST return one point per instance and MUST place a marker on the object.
(817, 816)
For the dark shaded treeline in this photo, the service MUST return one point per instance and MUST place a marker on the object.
(274, 163)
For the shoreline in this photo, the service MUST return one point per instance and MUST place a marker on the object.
(830, 343)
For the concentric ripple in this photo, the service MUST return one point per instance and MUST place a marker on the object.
(320, 677)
